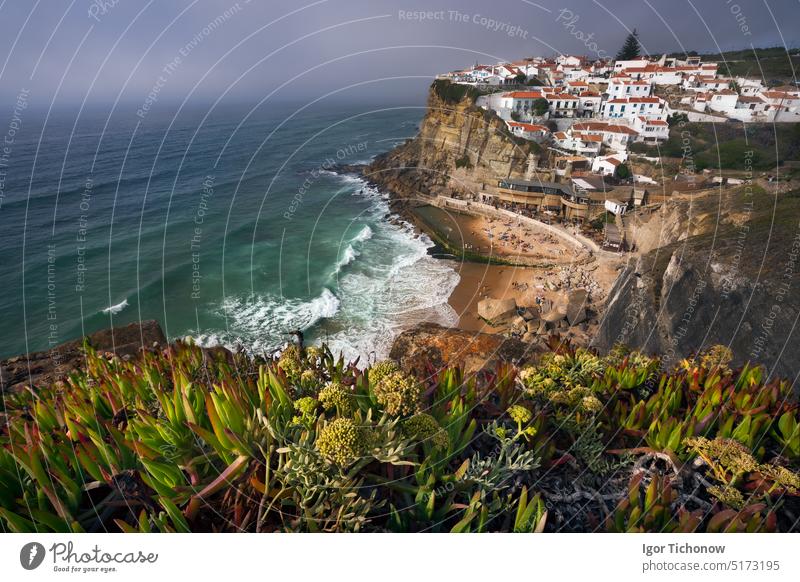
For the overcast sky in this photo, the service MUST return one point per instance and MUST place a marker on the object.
(66, 51)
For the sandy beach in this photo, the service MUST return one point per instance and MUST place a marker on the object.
(502, 239)
(525, 284)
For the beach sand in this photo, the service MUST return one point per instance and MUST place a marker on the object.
(480, 281)
(522, 283)
(503, 239)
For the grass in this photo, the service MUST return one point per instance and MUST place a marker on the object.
(725, 145)
(775, 65)
(454, 92)
(190, 440)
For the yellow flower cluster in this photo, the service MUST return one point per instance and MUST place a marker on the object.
(343, 441)
(307, 409)
(730, 454)
(520, 414)
(718, 356)
(290, 361)
(335, 395)
(782, 477)
(382, 369)
(398, 394)
(423, 427)
(728, 495)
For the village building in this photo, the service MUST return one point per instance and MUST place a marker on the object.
(606, 165)
(614, 135)
(529, 131)
(620, 88)
(584, 144)
(650, 130)
(631, 107)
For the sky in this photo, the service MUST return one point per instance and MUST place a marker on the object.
(158, 53)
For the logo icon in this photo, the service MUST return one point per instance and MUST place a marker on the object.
(31, 555)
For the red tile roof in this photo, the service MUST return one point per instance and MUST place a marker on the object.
(523, 95)
(528, 126)
(605, 127)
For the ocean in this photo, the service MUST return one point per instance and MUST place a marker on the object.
(230, 227)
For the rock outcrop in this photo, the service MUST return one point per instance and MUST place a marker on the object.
(430, 345)
(459, 148)
(39, 368)
(493, 310)
(734, 283)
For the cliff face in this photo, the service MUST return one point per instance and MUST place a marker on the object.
(39, 368)
(728, 276)
(459, 147)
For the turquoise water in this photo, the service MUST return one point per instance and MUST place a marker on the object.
(229, 228)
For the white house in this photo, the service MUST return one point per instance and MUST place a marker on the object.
(723, 101)
(528, 131)
(752, 108)
(786, 104)
(520, 102)
(569, 61)
(667, 76)
(749, 86)
(589, 104)
(651, 130)
(576, 87)
(620, 66)
(616, 207)
(606, 165)
(696, 82)
(614, 135)
(562, 104)
(631, 107)
(656, 74)
(508, 73)
(581, 143)
(621, 87)
(528, 67)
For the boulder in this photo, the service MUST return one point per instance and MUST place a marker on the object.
(530, 314)
(39, 368)
(496, 309)
(552, 316)
(576, 306)
(430, 347)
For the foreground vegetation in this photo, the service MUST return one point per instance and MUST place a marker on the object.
(187, 439)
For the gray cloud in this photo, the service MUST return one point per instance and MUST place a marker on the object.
(202, 50)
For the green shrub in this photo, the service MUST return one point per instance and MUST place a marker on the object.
(453, 93)
(184, 440)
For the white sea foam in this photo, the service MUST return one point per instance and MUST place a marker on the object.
(392, 286)
(262, 323)
(113, 309)
(364, 234)
(348, 256)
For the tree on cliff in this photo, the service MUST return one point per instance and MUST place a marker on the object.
(629, 50)
(540, 106)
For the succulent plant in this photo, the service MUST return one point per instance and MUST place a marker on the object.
(398, 394)
(343, 441)
(175, 440)
(335, 396)
(424, 428)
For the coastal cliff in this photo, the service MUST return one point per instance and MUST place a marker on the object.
(711, 269)
(714, 270)
(459, 148)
